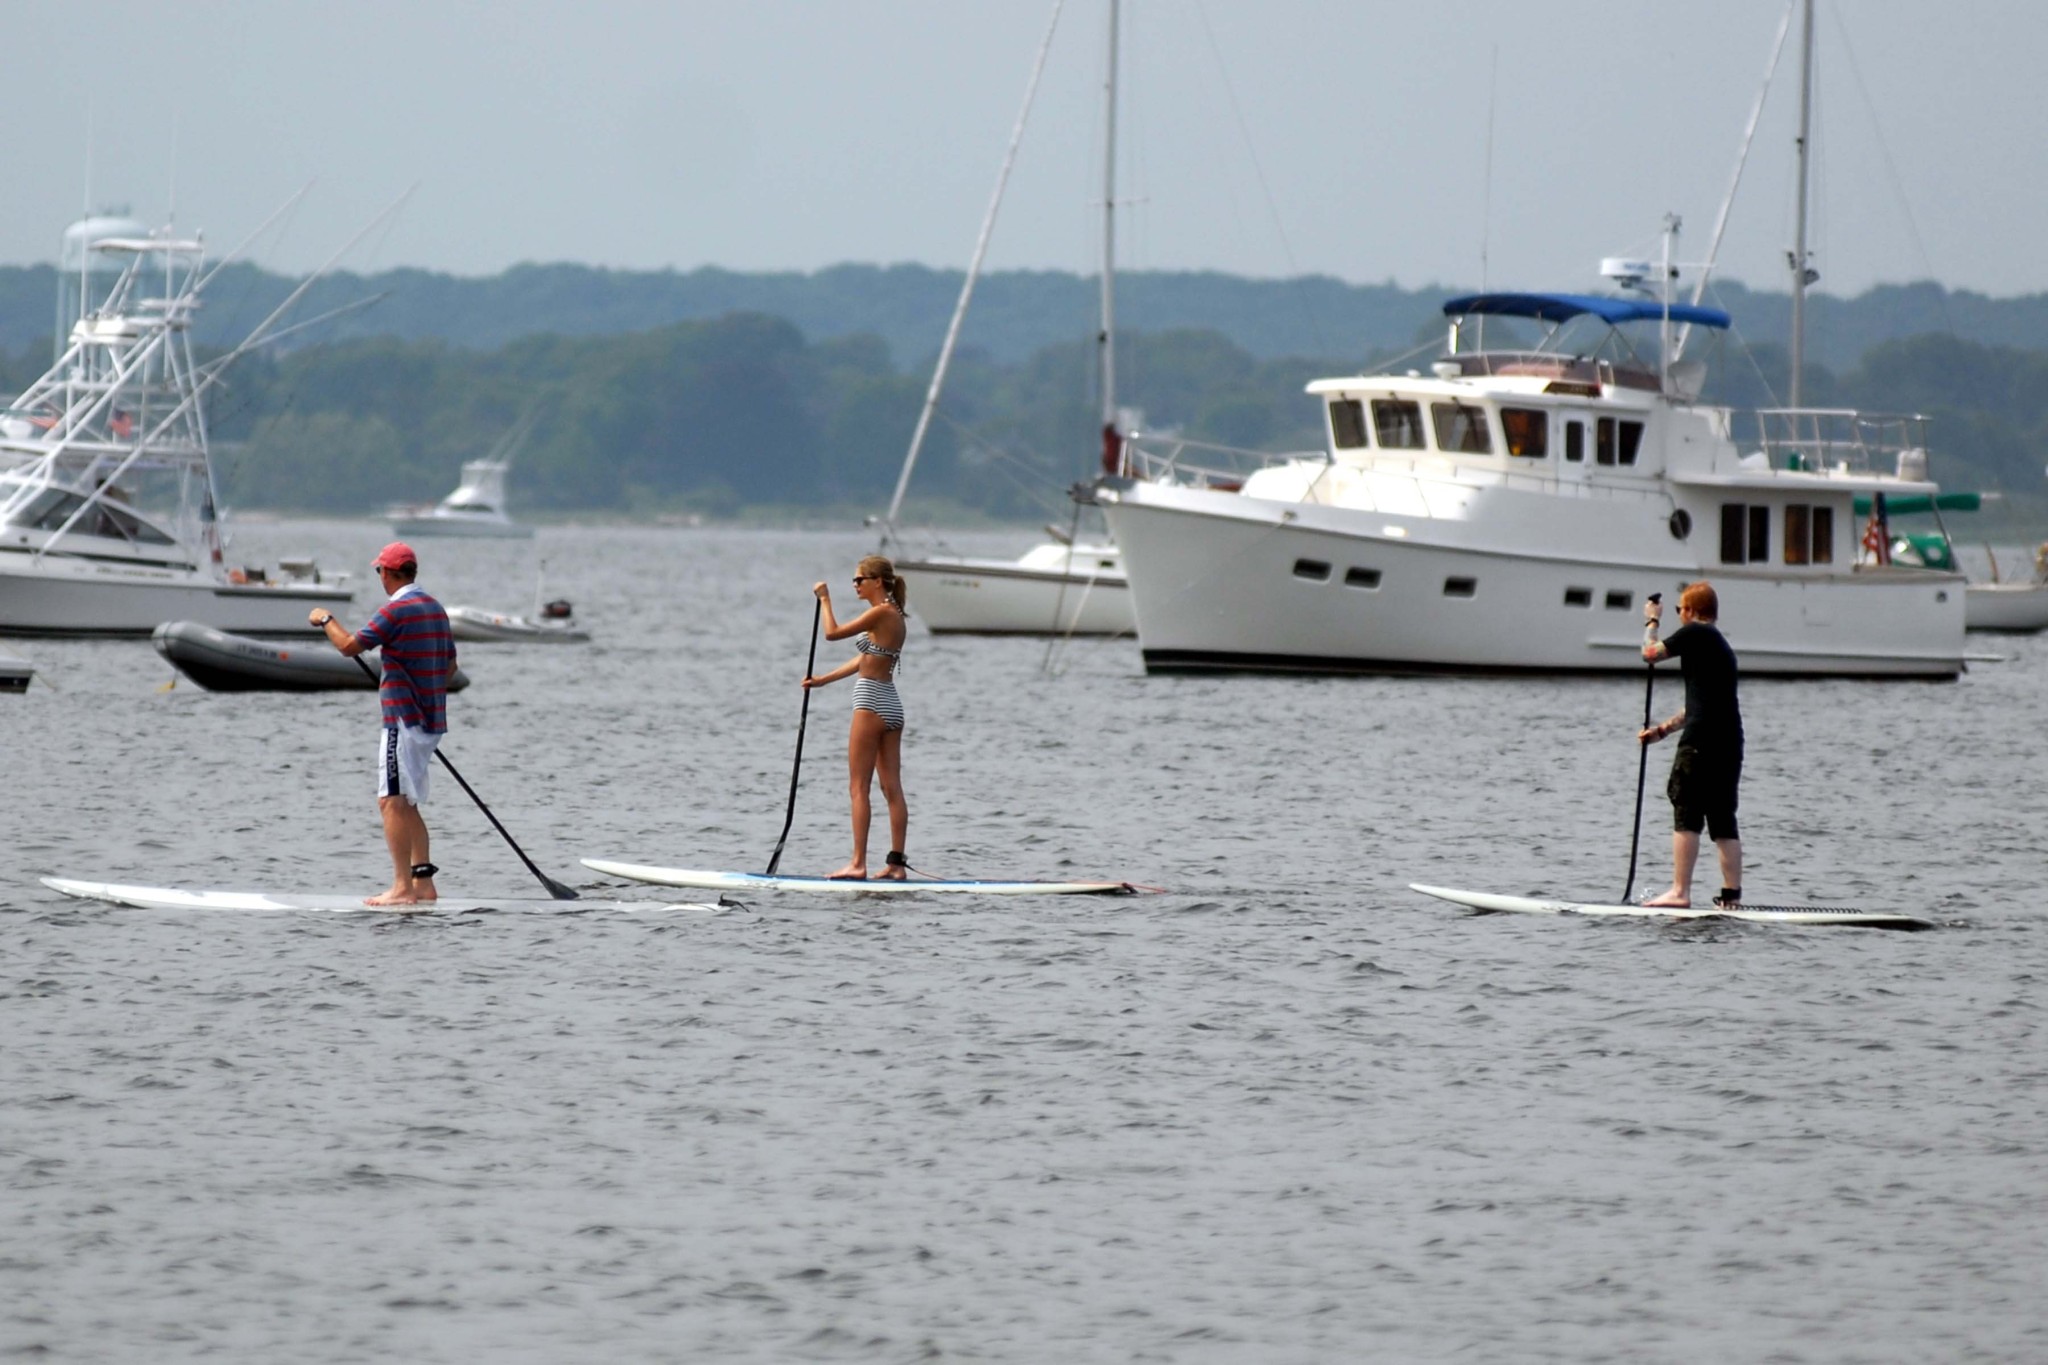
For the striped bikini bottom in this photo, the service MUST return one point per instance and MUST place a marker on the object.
(879, 696)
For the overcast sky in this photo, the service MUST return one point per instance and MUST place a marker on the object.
(1259, 137)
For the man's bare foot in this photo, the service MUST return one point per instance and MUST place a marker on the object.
(852, 872)
(395, 896)
(1670, 900)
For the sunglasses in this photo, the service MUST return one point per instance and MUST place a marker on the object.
(861, 578)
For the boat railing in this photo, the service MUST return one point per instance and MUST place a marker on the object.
(1224, 469)
(1200, 464)
(1554, 366)
(1821, 439)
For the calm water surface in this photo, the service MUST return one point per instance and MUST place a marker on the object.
(1285, 1111)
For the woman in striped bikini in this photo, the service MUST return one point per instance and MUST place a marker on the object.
(877, 738)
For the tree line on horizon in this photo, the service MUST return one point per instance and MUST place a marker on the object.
(749, 414)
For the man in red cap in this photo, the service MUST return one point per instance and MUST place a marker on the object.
(411, 631)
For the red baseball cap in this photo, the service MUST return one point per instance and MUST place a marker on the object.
(396, 555)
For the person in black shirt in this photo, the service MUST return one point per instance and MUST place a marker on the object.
(1707, 769)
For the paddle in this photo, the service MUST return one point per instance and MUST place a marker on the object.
(555, 888)
(803, 716)
(1635, 833)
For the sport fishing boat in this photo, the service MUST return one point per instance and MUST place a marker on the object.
(475, 509)
(1070, 584)
(109, 520)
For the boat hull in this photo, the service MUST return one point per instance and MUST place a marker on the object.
(222, 662)
(15, 674)
(463, 528)
(1003, 597)
(61, 596)
(1222, 582)
(477, 626)
(2018, 608)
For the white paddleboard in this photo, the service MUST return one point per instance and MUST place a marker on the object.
(1754, 914)
(756, 881)
(170, 898)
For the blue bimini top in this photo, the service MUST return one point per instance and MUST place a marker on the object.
(1564, 307)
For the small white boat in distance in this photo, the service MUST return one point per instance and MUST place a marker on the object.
(1054, 589)
(15, 673)
(476, 509)
(555, 625)
(2012, 608)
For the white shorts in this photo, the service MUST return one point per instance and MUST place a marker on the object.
(405, 756)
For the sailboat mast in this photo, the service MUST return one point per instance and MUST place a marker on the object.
(1106, 341)
(1801, 274)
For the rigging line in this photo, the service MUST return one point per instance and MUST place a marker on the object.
(1002, 461)
(1059, 601)
(1486, 198)
(1244, 132)
(988, 224)
(1890, 167)
(1699, 288)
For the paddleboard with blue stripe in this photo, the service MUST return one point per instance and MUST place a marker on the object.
(1845, 915)
(756, 881)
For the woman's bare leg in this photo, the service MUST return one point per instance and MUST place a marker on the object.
(889, 763)
(863, 742)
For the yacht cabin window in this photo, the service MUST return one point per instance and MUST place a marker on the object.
(1746, 533)
(1617, 441)
(1397, 424)
(1575, 442)
(1809, 534)
(1461, 429)
(1526, 431)
(1347, 423)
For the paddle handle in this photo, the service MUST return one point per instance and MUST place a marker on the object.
(802, 719)
(1635, 834)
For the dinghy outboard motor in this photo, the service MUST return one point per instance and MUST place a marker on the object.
(557, 610)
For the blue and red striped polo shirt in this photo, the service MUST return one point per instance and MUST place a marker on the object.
(411, 631)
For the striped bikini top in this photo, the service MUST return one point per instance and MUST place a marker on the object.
(866, 645)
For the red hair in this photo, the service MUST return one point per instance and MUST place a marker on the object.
(1699, 599)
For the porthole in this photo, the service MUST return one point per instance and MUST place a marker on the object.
(1578, 597)
(1314, 570)
(1460, 587)
(1361, 578)
(1681, 524)
(1620, 601)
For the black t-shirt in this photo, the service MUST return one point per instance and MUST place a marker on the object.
(1712, 713)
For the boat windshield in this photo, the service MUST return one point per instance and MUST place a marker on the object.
(52, 508)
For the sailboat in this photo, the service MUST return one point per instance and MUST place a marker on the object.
(109, 519)
(1067, 585)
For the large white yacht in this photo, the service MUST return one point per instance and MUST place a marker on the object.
(1510, 510)
(108, 511)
